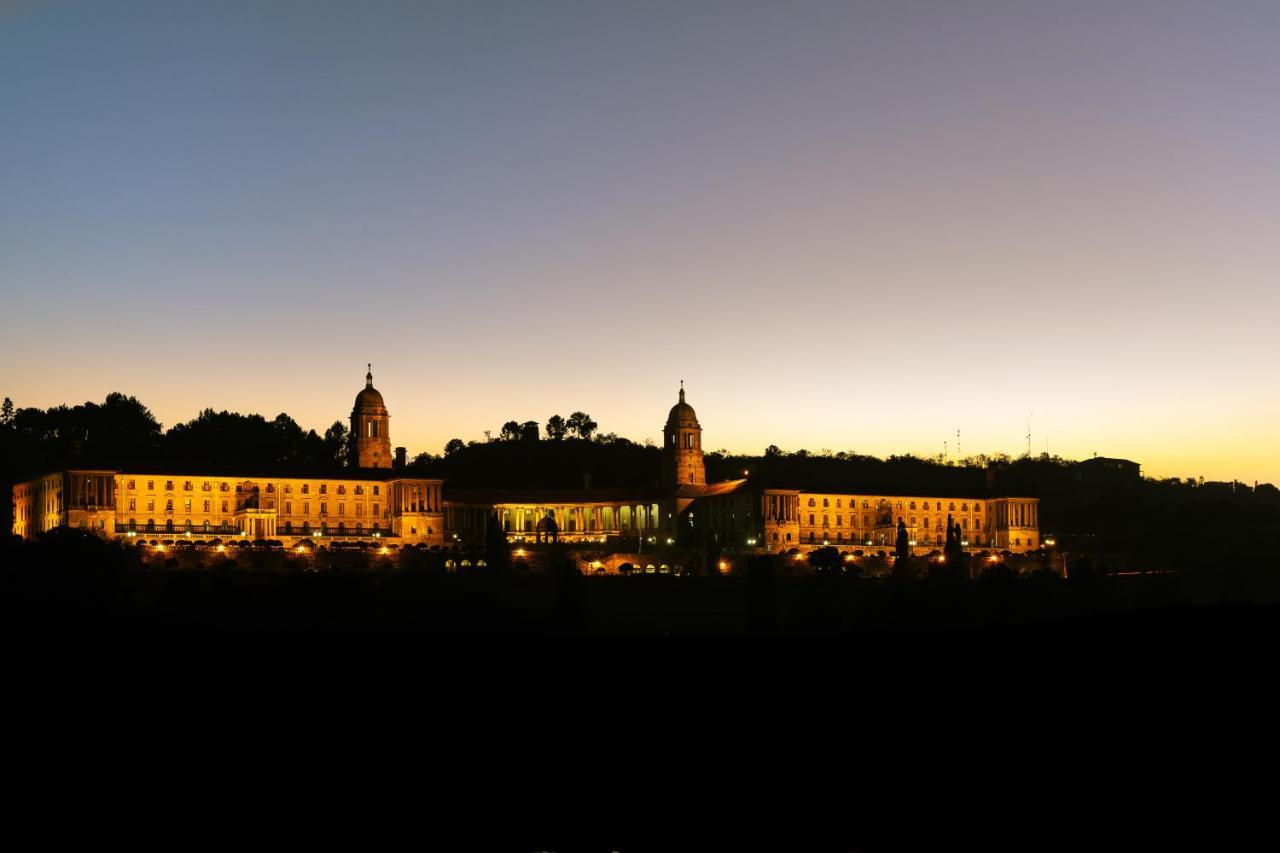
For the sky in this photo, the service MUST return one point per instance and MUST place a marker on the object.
(857, 226)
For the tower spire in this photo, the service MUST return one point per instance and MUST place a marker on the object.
(368, 377)
(681, 390)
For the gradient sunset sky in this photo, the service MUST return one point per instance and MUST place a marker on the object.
(857, 225)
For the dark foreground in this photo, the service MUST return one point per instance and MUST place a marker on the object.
(533, 712)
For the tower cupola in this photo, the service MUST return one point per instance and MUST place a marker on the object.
(682, 462)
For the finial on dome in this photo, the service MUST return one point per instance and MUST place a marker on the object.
(368, 377)
(681, 390)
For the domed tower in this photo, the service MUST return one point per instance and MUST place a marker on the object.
(682, 447)
(370, 428)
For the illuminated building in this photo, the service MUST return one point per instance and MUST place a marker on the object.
(375, 498)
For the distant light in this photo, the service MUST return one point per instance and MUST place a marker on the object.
(723, 565)
(221, 549)
(384, 550)
(159, 547)
(300, 549)
(670, 541)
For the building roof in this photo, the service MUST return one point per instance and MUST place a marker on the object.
(682, 414)
(369, 397)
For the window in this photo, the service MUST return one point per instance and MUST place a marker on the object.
(168, 485)
(306, 507)
(186, 487)
(913, 504)
(306, 488)
(151, 485)
(288, 507)
(342, 509)
(825, 503)
(133, 503)
(151, 505)
(342, 490)
(839, 521)
(359, 510)
(324, 507)
(222, 487)
(375, 490)
(288, 489)
(810, 518)
(271, 488)
(168, 505)
(131, 486)
(224, 506)
(375, 510)
(811, 503)
(206, 506)
(324, 488)
(186, 505)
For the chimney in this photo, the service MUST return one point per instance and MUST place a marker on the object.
(400, 457)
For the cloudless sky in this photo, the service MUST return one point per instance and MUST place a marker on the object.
(850, 225)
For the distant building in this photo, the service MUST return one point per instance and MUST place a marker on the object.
(1101, 474)
(374, 500)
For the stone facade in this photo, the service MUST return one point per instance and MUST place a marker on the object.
(373, 500)
(781, 519)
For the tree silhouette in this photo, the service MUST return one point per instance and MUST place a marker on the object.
(454, 445)
(581, 425)
(556, 428)
(826, 560)
(902, 548)
(510, 431)
(337, 443)
(497, 553)
(6, 412)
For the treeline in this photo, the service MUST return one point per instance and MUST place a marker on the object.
(121, 432)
